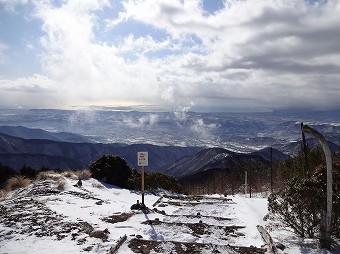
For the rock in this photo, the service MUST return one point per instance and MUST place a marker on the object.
(101, 234)
(138, 206)
(280, 246)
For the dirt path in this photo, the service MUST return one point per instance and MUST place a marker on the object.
(192, 218)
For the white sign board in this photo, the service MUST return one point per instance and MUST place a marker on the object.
(143, 159)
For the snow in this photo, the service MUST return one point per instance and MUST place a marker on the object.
(94, 201)
(31, 244)
(250, 212)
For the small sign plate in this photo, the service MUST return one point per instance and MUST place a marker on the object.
(143, 159)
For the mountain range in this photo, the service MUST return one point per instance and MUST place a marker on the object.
(180, 162)
(37, 153)
(31, 133)
(180, 143)
(238, 132)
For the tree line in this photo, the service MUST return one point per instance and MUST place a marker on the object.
(108, 168)
(296, 192)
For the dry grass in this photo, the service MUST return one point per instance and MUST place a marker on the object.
(16, 183)
(61, 184)
(83, 174)
(69, 174)
(78, 174)
(46, 175)
(3, 194)
(98, 185)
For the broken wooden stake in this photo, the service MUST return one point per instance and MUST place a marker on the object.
(119, 243)
(267, 238)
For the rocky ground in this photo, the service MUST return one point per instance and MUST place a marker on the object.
(177, 224)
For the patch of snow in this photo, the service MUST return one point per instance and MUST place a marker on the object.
(94, 201)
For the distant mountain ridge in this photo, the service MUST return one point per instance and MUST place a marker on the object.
(28, 133)
(15, 152)
(295, 146)
(219, 159)
(181, 162)
(239, 132)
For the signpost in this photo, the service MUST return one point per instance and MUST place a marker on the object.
(143, 161)
(245, 182)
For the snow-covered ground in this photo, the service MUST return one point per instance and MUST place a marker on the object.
(45, 218)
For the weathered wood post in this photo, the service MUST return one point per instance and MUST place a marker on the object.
(143, 160)
(326, 223)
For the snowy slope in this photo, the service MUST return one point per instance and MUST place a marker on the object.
(55, 216)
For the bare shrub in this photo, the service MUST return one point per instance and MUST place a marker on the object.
(84, 174)
(61, 184)
(16, 183)
(77, 174)
(98, 185)
(3, 194)
(69, 174)
(46, 175)
(42, 176)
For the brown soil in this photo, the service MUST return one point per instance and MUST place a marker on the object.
(146, 246)
(197, 228)
(118, 217)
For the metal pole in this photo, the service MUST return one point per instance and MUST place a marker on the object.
(245, 182)
(250, 179)
(326, 239)
(304, 155)
(143, 185)
(271, 169)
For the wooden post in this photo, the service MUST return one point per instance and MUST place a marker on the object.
(143, 160)
(143, 185)
(267, 238)
(325, 240)
(119, 243)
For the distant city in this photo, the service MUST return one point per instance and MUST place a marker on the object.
(240, 132)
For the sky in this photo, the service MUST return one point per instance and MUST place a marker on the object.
(208, 55)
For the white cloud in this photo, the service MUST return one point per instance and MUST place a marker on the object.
(142, 45)
(203, 129)
(85, 115)
(262, 38)
(146, 121)
(32, 84)
(254, 53)
(34, 91)
(181, 113)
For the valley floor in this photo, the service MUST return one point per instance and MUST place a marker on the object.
(50, 217)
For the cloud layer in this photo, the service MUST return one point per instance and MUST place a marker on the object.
(248, 55)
